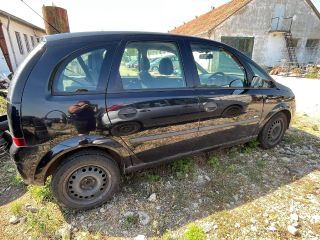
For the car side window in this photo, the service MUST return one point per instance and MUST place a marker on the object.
(217, 67)
(260, 79)
(151, 65)
(81, 73)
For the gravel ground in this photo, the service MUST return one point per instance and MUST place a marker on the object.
(307, 94)
(239, 193)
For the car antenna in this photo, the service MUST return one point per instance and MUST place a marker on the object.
(40, 16)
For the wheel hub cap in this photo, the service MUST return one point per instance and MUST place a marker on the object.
(87, 183)
(275, 131)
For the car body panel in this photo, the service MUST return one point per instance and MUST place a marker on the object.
(156, 125)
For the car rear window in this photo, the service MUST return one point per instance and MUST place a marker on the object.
(83, 72)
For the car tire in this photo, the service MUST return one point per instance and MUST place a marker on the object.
(85, 180)
(273, 131)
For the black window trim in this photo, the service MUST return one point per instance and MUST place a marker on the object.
(110, 46)
(180, 47)
(229, 51)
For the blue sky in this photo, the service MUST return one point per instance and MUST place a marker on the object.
(140, 15)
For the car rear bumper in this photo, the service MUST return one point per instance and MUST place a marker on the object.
(26, 159)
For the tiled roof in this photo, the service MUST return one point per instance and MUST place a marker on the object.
(216, 16)
(212, 19)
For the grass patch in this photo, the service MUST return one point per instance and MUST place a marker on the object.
(16, 208)
(44, 223)
(261, 163)
(153, 178)
(250, 146)
(214, 163)
(183, 166)
(311, 75)
(131, 221)
(3, 106)
(194, 232)
(231, 168)
(41, 193)
(17, 181)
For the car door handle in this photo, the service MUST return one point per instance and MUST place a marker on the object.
(127, 112)
(145, 110)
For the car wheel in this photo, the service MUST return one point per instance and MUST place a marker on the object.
(85, 180)
(272, 133)
(125, 129)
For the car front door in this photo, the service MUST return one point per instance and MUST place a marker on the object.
(153, 109)
(229, 112)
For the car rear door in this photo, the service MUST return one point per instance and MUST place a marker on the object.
(229, 112)
(153, 109)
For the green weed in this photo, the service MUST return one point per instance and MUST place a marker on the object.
(231, 168)
(153, 178)
(3, 106)
(43, 223)
(183, 166)
(250, 147)
(194, 232)
(214, 162)
(17, 181)
(16, 208)
(131, 221)
(41, 193)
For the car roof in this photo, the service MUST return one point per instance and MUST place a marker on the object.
(104, 35)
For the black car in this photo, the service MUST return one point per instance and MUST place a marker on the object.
(78, 113)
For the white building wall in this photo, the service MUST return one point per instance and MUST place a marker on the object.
(254, 20)
(15, 56)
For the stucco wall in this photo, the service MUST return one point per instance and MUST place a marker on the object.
(15, 56)
(254, 20)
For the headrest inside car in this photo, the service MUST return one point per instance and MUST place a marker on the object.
(165, 66)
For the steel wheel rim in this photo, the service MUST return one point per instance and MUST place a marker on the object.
(87, 184)
(275, 131)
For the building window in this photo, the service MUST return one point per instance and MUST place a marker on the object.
(27, 42)
(243, 44)
(295, 42)
(312, 43)
(32, 41)
(18, 37)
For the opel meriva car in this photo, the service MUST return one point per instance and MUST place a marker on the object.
(79, 112)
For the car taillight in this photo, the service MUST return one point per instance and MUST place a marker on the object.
(114, 107)
(19, 142)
